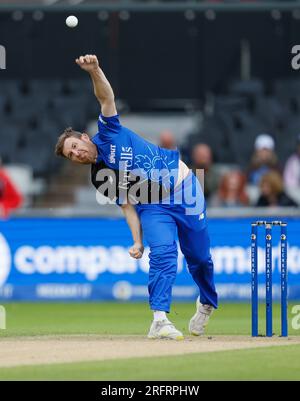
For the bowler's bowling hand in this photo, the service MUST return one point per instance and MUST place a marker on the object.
(88, 63)
(136, 251)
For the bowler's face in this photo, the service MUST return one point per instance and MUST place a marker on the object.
(81, 151)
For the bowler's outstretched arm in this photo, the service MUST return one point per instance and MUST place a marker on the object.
(102, 89)
(133, 221)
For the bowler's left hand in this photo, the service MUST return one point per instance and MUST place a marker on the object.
(137, 250)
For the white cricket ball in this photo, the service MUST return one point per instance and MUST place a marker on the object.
(72, 21)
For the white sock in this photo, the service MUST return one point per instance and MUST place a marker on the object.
(159, 315)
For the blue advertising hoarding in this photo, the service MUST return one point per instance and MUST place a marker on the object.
(87, 259)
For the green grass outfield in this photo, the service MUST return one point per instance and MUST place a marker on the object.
(26, 319)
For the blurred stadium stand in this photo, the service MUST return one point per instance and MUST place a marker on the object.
(235, 119)
(32, 119)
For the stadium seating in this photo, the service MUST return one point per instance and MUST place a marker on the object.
(35, 112)
(32, 118)
(244, 112)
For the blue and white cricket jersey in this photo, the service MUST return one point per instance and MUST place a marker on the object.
(129, 155)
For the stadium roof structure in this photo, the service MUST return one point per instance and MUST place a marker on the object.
(149, 5)
(86, 2)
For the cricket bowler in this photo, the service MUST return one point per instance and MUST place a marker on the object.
(160, 198)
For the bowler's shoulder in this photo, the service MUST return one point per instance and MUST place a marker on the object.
(109, 125)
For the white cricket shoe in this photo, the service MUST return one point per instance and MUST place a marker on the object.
(200, 319)
(164, 329)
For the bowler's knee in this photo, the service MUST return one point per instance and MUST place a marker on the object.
(163, 254)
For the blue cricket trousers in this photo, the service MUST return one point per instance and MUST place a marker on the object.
(161, 223)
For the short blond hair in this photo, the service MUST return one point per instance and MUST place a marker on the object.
(68, 133)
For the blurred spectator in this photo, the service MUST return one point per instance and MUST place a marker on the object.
(232, 190)
(10, 197)
(291, 173)
(202, 159)
(272, 193)
(167, 140)
(263, 160)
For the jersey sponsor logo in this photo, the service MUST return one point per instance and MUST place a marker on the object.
(126, 153)
(127, 149)
(112, 155)
(126, 162)
(5, 260)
